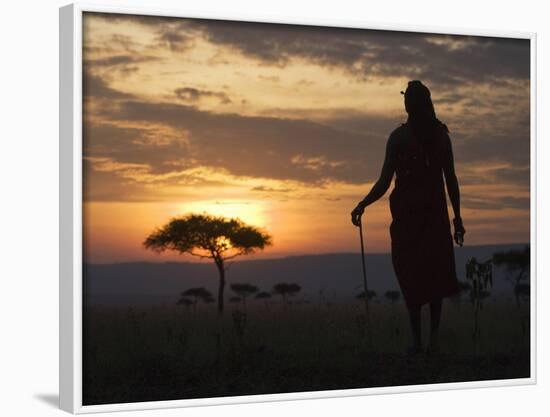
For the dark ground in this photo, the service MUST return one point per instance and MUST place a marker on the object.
(170, 353)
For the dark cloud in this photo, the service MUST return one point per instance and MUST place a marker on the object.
(176, 38)
(362, 123)
(121, 63)
(343, 144)
(516, 175)
(493, 144)
(512, 175)
(137, 145)
(283, 149)
(195, 94)
(263, 188)
(438, 59)
(176, 34)
(449, 98)
(496, 203)
(119, 60)
(268, 147)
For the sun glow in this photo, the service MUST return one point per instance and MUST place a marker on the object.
(224, 243)
(255, 213)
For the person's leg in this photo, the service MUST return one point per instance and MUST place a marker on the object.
(435, 319)
(414, 316)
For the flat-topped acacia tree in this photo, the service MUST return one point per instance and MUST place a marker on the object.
(212, 237)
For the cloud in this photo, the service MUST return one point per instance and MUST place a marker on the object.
(256, 146)
(481, 173)
(347, 147)
(123, 64)
(437, 59)
(496, 203)
(484, 81)
(194, 94)
(106, 179)
(272, 78)
(110, 165)
(266, 189)
(118, 60)
(315, 163)
(94, 86)
(177, 38)
(158, 146)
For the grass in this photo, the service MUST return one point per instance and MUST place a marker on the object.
(165, 353)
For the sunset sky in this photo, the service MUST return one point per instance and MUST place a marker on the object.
(285, 127)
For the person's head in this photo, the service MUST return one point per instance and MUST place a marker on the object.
(418, 101)
(422, 118)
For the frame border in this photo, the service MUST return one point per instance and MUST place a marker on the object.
(70, 208)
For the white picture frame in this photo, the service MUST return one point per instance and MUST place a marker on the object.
(70, 203)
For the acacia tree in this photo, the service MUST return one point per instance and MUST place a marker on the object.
(480, 274)
(286, 290)
(211, 237)
(244, 290)
(370, 295)
(263, 295)
(197, 294)
(393, 296)
(183, 301)
(516, 262)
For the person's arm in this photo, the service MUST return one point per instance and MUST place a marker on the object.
(379, 188)
(453, 189)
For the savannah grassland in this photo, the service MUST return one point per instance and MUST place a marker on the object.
(174, 352)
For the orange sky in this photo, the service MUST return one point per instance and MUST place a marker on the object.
(285, 128)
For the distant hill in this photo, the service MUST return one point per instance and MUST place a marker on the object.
(336, 277)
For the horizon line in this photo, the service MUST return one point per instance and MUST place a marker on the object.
(288, 256)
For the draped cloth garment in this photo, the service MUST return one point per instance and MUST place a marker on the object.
(421, 241)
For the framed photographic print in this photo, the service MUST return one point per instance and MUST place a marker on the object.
(279, 209)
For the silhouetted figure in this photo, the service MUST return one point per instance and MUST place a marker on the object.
(420, 152)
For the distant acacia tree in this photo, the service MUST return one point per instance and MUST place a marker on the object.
(516, 262)
(244, 290)
(263, 295)
(184, 301)
(480, 274)
(370, 295)
(211, 237)
(393, 296)
(286, 290)
(198, 294)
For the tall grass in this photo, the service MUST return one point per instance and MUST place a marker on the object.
(170, 352)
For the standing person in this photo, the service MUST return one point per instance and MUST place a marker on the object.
(420, 154)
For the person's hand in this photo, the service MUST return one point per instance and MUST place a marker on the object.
(356, 214)
(459, 231)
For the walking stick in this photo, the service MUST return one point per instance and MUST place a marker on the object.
(364, 275)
